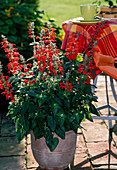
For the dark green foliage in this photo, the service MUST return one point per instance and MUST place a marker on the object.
(14, 22)
(35, 2)
(110, 2)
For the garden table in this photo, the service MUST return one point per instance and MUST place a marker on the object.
(107, 45)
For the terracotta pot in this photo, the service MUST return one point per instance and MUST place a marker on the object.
(60, 158)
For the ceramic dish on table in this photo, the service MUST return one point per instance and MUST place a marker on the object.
(84, 22)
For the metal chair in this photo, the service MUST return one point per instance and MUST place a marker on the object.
(109, 117)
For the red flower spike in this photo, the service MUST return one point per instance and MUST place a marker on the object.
(30, 36)
(34, 80)
(31, 73)
(26, 81)
(25, 69)
(29, 32)
(31, 83)
(29, 64)
(23, 74)
(40, 107)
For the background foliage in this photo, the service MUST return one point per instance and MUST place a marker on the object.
(67, 9)
(35, 2)
(111, 2)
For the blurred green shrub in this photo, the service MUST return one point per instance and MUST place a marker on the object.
(15, 19)
(36, 2)
(110, 2)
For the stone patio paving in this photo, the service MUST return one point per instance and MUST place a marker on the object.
(92, 143)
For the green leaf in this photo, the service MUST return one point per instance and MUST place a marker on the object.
(71, 118)
(5, 30)
(3, 12)
(88, 90)
(34, 124)
(54, 107)
(40, 102)
(77, 117)
(31, 93)
(61, 132)
(93, 110)
(17, 19)
(57, 100)
(51, 123)
(52, 144)
(67, 125)
(22, 90)
(89, 117)
(13, 30)
(12, 38)
(93, 72)
(75, 126)
(67, 104)
(81, 116)
(19, 130)
(1, 23)
(25, 107)
(38, 133)
(31, 109)
(25, 123)
(9, 21)
(17, 109)
(61, 113)
(61, 121)
(74, 98)
(55, 110)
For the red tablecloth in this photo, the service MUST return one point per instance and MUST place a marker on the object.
(107, 43)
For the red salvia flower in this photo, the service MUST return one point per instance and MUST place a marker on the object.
(26, 81)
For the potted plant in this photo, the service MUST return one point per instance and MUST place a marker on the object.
(50, 93)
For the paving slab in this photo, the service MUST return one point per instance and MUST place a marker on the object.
(114, 138)
(34, 168)
(99, 154)
(81, 161)
(80, 145)
(10, 146)
(13, 163)
(95, 132)
(7, 128)
(106, 168)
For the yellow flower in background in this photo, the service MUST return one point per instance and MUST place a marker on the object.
(11, 8)
(9, 15)
(8, 10)
(22, 44)
(28, 25)
(61, 37)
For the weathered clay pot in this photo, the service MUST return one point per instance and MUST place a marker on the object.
(60, 158)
